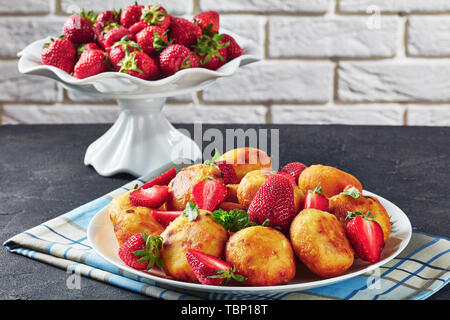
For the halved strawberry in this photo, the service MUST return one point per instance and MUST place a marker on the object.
(365, 236)
(166, 217)
(162, 180)
(152, 197)
(208, 194)
(141, 251)
(316, 200)
(294, 168)
(211, 270)
(228, 172)
(290, 177)
(273, 204)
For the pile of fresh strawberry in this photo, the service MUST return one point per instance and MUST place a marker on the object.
(144, 41)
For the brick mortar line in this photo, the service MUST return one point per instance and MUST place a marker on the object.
(405, 117)
(336, 104)
(409, 58)
(57, 12)
(394, 13)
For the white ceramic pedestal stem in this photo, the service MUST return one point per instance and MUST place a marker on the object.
(141, 140)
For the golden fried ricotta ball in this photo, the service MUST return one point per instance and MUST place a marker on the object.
(232, 193)
(136, 220)
(341, 204)
(250, 184)
(332, 180)
(320, 242)
(263, 255)
(203, 234)
(180, 188)
(246, 159)
(119, 205)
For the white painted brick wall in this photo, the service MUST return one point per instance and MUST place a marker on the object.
(404, 6)
(17, 32)
(386, 114)
(394, 81)
(365, 62)
(16, 87)
(265, 6)
(429, 36)
(276, 81)
(331, 37)
(177, 7)
(25, 6)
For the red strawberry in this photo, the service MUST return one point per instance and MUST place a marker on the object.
(138, 26)
(228, 172)
(153, 197)
(365, 236)
(274, 201)
(114, 35)
(208, 194)
(211, 270)
(166, 217)
(131, 15)
(208, 21)
(156, 15)
(176, 57)
(233, 49)
(140, 65)
(87, 46)
(211, 51)
(101, 30)
(91, 62)
(287, 175)
(316, 200)
(78, 28)
(152, 40)
(294, 168)
(59, 53)
(118, 50)
(109, 16)
(184, 32)
(141, 251)
(351, 191)
(162, 180)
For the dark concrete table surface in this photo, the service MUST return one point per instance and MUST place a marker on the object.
(42, 176)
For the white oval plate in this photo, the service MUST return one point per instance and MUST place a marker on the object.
(101, 235)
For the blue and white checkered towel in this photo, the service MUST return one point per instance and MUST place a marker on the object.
(419, 271)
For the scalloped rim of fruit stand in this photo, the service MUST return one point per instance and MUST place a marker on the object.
(183, 81)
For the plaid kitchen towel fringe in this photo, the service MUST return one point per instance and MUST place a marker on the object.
(419, 271)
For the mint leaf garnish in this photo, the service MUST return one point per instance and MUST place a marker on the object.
(191, 211)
